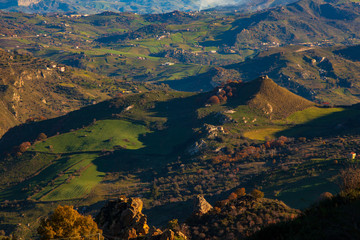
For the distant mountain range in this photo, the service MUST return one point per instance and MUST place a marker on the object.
(139, 6)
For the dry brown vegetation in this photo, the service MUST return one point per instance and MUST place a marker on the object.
(239, 216)
(274, 101)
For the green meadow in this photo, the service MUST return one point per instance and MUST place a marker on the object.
(103, 135)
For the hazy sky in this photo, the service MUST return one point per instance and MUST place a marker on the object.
(212, 3)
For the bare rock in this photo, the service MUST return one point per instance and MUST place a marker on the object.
(123, 218)
(197, 147)
(212, 131)
(168, 235)
(201, 206)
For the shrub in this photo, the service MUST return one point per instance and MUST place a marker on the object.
(41, 137)
(350, 179)
(233, 196)
(174, 225)
(66, 222)
(222, 98)
(19, 150)
(240, 192)
(214, 100)
(257, 193)
(325, 196)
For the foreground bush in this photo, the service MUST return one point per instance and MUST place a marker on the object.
(66, 222)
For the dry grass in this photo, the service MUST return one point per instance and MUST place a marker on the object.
(276, 102)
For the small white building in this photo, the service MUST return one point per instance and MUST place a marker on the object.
(168, 64)
(352, 156)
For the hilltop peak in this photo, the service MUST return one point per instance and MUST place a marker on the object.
(271, 99)
(265, 78)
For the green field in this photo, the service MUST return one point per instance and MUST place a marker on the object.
(77, 187)
(309, 122)
(263, 133)
(103, 135)
(75, 175)
(311, 114)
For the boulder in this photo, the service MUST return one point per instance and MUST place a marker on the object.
(201, 206)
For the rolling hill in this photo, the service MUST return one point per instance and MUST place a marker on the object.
(322, 74)
(166, 145)
(138, 6)
(139, 47)
(80, 147)
(92, 6)
(304, 22)
(332, 217)
(35, 89)
(273, 100)
(315, 73)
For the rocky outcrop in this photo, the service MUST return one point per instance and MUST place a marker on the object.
(123, 218)
(201, 206)
(212, 131)
(197, 147)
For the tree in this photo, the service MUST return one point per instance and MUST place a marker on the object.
(41, 137)
(66, 222)
(24, 146)
(350, 179)
(240, 192)
(19, 150)
(214, 100)
(233, 196)
(155, 191)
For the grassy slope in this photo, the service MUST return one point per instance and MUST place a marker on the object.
(300, 187)
(81, 177)
(31, 87)
(158, 127)
(335, 218)
(77, 187)
(103, 135)
(275, 101)
(311, 122)
(79, 152)
(71, 41)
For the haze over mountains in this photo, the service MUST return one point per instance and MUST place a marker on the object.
(138, 6)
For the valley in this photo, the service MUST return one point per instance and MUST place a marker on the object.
(168, 107)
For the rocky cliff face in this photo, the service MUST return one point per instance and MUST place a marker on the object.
(27, 3)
